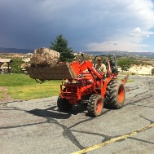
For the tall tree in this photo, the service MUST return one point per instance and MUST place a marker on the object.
(124, 63)
(60, 44)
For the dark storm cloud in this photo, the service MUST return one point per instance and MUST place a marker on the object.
(35, 23)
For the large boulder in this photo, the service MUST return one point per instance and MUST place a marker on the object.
(45, 57)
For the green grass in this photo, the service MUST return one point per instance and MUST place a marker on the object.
(1, 95)
(21, 86)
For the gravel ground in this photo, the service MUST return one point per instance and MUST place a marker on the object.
(36, 126)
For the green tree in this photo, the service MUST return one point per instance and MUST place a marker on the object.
(152, 71)
(60, 44)
(16, 65)
(124, 63)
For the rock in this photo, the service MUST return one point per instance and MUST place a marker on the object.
(45, 57)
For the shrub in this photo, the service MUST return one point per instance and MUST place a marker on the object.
(152, 71)
(16, 65)
(124, 63)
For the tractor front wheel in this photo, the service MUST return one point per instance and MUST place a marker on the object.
(95, 105)
(64, 105)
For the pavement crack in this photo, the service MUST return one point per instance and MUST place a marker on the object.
(145, 106)
(141, 93)
(151, 121)
(51, 118)
(106, 137)
(131, 88)
(133, 102)
(18, 126)
(114, 139)
(148, 142)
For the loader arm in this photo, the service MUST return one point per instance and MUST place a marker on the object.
(79, 68)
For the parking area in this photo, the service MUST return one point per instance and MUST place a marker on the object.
(36, 126)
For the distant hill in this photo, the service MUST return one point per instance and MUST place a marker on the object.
(122, 53)
(15, 50)
(117, 53)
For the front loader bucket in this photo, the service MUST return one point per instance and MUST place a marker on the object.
(56, 72)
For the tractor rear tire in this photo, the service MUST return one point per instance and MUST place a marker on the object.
(115, 95)
(95, 105)
(64, 105)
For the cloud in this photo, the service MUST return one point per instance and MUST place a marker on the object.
(117, 45)
(87, 25)
(136, 19)
(137, 30)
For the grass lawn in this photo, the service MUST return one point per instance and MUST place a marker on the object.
(1, 95)
(21, 86)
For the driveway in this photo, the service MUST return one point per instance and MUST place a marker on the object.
(36, 126)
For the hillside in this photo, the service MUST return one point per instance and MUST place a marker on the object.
(123, 53)
(117, 53)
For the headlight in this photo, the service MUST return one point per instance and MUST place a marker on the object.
(66, 81)
(75, 81)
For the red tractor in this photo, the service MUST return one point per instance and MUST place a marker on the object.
(92, 88)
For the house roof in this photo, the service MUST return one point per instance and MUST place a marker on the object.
(5, 60)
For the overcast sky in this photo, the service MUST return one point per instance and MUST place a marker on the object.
(87, 25)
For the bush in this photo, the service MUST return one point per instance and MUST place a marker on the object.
(133, 73)
(124, 63)
(16, 65)
(152, 71)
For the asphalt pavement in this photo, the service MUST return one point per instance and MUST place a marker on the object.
(36, 126)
